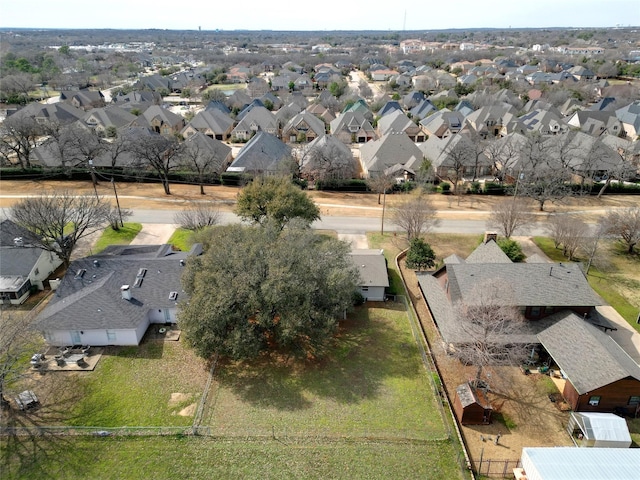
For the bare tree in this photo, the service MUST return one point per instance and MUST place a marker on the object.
(60, 220)
(509, 215)
(503, 154)
(544, 174)
(485, 325)
(458, 157)
(590, 244)
(381, 184)
(158, 153)
(18, 136)
(202, 158)
(198, 215)
(625, 225)
(567, 231)
(326, 162)
(415, 215)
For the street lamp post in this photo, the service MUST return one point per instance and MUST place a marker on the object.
(115, 192)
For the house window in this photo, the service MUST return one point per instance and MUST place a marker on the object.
(594, 401)
(365, 289)
(634, 400)
(111, 336)
(535, 312)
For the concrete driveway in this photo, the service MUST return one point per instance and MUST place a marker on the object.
(154, 234)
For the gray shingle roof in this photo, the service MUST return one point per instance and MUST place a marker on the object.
(601, 360)
(536, 284)
(263, 153)
(372, 267)
(94, 301)
(392, 148)
(488, 252)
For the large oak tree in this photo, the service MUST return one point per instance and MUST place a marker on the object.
(261, 288)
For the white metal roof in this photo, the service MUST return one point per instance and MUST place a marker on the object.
(604, 426)
(570, 463)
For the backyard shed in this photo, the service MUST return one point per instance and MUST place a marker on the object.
(471, 406)
(570, 463)
(592, 429)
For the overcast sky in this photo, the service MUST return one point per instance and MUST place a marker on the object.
(318, 15)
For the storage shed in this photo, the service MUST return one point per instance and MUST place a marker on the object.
(471, 406)
(591, 429)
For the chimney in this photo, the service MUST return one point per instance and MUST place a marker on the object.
(490, 236)
(18, 242)
(126, 292)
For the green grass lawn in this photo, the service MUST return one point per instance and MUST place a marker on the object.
(181, 239)
(140, 386)
(197, 457)
(609, 283)
(373, 384)
(123, 236)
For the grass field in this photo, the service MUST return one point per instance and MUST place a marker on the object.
(122, 236)
(373, 384)
(197, 457)
(368, 411)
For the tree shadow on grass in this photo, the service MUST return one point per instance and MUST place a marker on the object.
(373, 345)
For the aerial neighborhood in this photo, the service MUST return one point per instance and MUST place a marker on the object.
(416, 252)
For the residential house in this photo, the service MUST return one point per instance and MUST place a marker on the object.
(103, 119)
(263, 154)
(159, 120)
(352, 127)
(51, 113)
(382, 75)
(213, 123)
(596, 122)
(629, 116)
(544, 122)
(256, 120)
(394, 153)
(413, 99)
(389, 107)
(138, 100)
(443, 123)
(286, 113)
(495, 120)
(398, 122)
(561, 319)
(211, 155)
(23, 266)
(321, 112)
(112, 298)
(423, 109)
(456, 153)
(326, 157)
(374, 279)
(581, 73)
(154, 83)
(303, 128)
(83, 99)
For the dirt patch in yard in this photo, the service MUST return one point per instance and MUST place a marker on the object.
(178, 398)
(188, 411)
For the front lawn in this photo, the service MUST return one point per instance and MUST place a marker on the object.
(181, 239)
(122, 236)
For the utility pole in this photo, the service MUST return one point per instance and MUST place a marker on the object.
(94, 181)
(384, 201)
(117, 201)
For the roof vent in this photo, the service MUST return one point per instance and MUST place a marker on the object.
(173, 296)
(80, 273)
(96, 263)
(126, 292)
(141, 273)
(18, 242)
(182, 262)
(138, 282)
